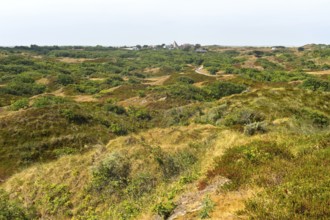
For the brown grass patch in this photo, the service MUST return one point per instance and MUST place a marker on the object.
(73, 60)
(324, 72)
(43, 81)
(156, 81)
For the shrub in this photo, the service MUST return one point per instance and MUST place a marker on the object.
(241, 163)
(255, 128)
(219, 89)
(164, 209)
(118, 129)
(111, 174)
(20, 88)
(10, 209)
(243, 117)
(48, 101)
(207, 207)
(114, 81)
(115, 109)
(64, 79)
(185, 79)
(316, 84)
(74, 117)
(140, 113)
(21, 103)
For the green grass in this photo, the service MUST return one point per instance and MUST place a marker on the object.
(63, 158)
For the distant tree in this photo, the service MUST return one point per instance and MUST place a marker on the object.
(300, 49)
(197, 46)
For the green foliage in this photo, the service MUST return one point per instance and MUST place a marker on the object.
(240, 164)
(303, 192)
(316, 85)
(10, 209)
(139, 113)
(219, 89)
(255, 128)
(115, 108)
(186, 79)
(112, 174)
(114, 81)
(118, 129)
(48, 101)
(65, 79)
(56, 200)
(208, 206)
(273, 76)
(22, 88)
(174, 164)
(243, 117)
(19, 104)
(74, 116)
(164, 209)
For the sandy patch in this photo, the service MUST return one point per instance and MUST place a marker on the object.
(73, 60)
(43, 81)
(157, 81)
(324, 72)
(152, 70)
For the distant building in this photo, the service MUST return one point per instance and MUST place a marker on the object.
(175, 45)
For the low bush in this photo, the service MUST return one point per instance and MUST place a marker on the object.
(255, 128)
(316, 84)
(112, 174)
(48, 101)
(243, 117)
(19, 104)
(240, 164)
(115, 109)
(219, 89)
(10, 209)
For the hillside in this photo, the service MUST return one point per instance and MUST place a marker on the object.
(107, 133)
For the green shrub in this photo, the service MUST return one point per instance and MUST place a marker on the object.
(316, 84)
(21, 103)
(10, 209)
(243, 117)
(74, 117)
(56, 199)
(118, 129)
(185, 79)
(207, 207)
(219, 89)
(114, 81)
(115, 109)
(255, 128)
(64, 79)
(240, 164)
(20, 88)
(48, 101)
(302, 193)
(139, 113)
(112, 174)
(164, 209)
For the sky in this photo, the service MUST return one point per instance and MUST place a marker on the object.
(132, 22)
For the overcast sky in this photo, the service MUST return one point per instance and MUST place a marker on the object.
(131, 22)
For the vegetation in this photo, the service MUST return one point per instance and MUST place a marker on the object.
(109, 133)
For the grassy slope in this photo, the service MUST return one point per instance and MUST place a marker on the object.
(271, 142)
(291, 127)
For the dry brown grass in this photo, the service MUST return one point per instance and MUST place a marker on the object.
(97, 79)
(151, 70)
(73, 60)
(43, 81)
(156, 81)
(324, 72)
